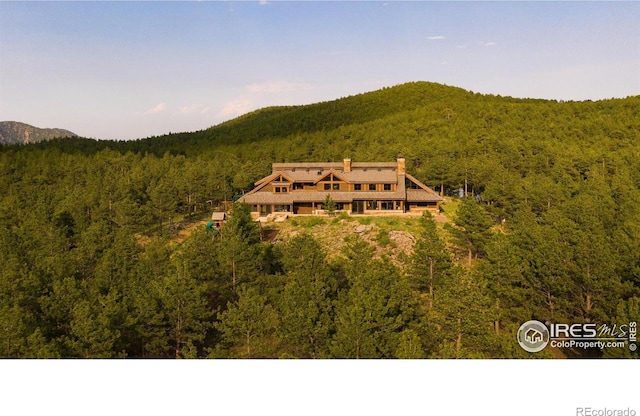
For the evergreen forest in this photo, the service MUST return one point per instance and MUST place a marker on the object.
(90, 266)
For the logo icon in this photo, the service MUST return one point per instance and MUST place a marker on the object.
(533, 336)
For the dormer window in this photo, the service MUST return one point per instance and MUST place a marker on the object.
(387, 186)
(372, 186)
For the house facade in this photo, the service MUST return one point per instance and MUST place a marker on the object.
(358, 188)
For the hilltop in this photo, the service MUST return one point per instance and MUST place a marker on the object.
(13, 132)
(330, 122)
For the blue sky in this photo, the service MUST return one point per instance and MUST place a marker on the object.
(124, 70)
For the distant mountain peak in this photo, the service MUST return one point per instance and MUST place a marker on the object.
(14, 132)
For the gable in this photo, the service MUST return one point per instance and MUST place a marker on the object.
(413, 183)
(332, 176)
(269, 180)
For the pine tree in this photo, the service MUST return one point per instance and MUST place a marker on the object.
(183, 304)
(461, 317)
(430, 260)
(239, 247)
(248, 325)
(305, 305)
(329, 206)
(472, 230)
(375, 309)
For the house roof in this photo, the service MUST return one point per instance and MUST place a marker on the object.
(366, 174)
(331, 165)
(218, 216)
(267, 198)
(413, 195)
(420, 195)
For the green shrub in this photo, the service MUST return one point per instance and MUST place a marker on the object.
(364, 220)
(383, 238)
(309, 222)
(343, 215)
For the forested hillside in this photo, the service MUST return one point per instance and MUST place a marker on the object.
(90, 266)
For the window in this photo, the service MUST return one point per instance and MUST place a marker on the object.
(336, 186)
(372, 205)
(386, 205)
(276, 189)
(372, 186)
(409, 184)
(357, 187)
(327, 186)
(301, 185)
(387, 186)
(339, 206)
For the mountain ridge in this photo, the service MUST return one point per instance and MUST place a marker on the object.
(15, 132)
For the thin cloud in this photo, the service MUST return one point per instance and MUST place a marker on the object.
(436, 37)
(488, 43)
(157, 109)
(194, 109)
(236, 108)
(274, 87)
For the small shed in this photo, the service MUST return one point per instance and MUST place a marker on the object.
(218, 218)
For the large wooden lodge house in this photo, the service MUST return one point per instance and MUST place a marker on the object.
(358, 188)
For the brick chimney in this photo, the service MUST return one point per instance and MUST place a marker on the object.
(347, 164)
(402, 167)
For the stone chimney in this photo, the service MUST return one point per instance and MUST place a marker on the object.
(402, 167)
(347, 164)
